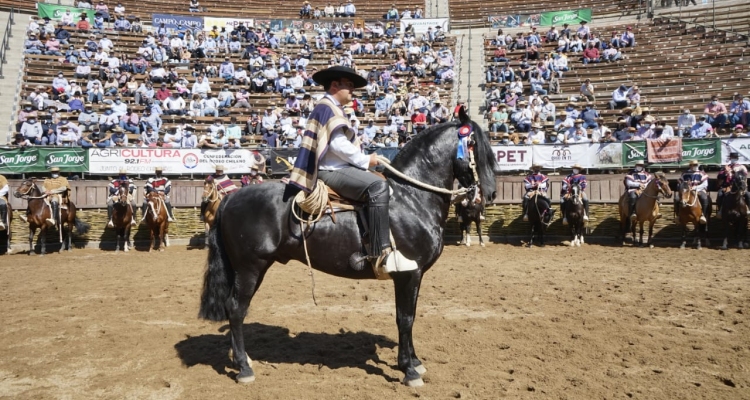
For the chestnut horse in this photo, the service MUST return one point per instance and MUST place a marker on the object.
(689, 212)
(212, 196)
(157, 220)
(646, 208)
(38, 211)
(122, 216)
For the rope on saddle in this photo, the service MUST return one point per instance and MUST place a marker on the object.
(314, 204)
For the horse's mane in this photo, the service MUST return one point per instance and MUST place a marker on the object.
(421, 141)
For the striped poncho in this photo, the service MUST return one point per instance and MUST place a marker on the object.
(325, 118)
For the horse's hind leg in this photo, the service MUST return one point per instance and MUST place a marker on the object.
(407, 292)
(246, 285)
(479, 231)
(684, 234)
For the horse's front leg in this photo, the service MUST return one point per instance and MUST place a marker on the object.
(531, 239)
(650, 241)
(407, 291)
(32, 231)
(684, 234)
(640, 233)
(43, 239)
(479, 231)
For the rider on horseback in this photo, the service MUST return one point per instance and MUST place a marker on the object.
(575, 177)
(698, 181)
(114, 187)
(4, 189)
(224, 185)
(330, 151)
(56, 188)
(725, 180)
(635, 181)
(161, 185)
(536, 182)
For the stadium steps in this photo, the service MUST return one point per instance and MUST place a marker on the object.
(9, 85)
(471, 57)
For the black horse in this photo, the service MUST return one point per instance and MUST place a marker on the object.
(574, 214)
(469, 209)
(734, 211)
(255, 228)
(540, 216)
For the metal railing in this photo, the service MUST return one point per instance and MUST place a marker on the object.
(6, 40)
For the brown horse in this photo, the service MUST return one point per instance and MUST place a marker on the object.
(8, 228)
(157, 220)
(212, 196)
(38, 212)
(646, 208)
(122, 216)
(690, 212)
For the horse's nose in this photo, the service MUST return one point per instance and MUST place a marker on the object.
(492, 197)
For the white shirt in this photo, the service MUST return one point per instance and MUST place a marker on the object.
(341, 152)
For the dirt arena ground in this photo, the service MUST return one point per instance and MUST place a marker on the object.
(503, 321)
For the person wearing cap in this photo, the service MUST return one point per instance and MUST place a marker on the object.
(697, 180)
(536, 181)
(739, 110)
(589, 115)
(685, 122)
(159, 184)
(628, 37)
(701, 129)
(114, 187)
(716, 113)
(330, 151)
(724, 180)
(739, 132)
(619, 98)
(56, 189)
(635, 181)
(574, 177)
(224, 185)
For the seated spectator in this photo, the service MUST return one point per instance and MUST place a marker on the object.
(716, 113)
(306, 10)
(701, 128)
(122, 24)
(685, 122)
(591, 54)
(83, 25)
(739, 110)
(130, 122)
(194, 6)
(628, 38)
(67, 19)
(619, 98)
(88, 120)
(738, 132)
(66, 137)
(392, 13)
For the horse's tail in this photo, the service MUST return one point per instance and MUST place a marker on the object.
(219, 277)
(81, 227)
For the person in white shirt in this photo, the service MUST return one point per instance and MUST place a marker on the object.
(201, 87)
(685, 122)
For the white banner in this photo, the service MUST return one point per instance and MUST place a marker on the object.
(559, 156)
(229, 23)
(512, 158)
(420, 25)
(603, 155)
(739, 145)
(174, 161)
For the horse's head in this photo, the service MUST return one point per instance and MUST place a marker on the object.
(209, 191)
(483, 159)
(28, 188)
(123, 191)
(739, 181)
(685, 193)
(662, 184)
(575, 190)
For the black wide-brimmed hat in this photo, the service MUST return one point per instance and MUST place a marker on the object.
(327, 75)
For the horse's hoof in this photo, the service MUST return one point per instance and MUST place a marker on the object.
(481, 244)
(414, 382)
(651, 246)
(421, 370)
(682, 246)
(161, 249)
(468, 244)
(248, 378)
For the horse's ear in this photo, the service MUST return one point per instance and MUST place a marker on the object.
(463, 116)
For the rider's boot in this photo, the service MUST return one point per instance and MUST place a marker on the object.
(55, 210)
(110, 208)
(525, 208)
(203, 210)
(170, 216)
(481, 215)
(631, 203)
(3, 215)
(562, 211)
(585, 209)
(379, 223)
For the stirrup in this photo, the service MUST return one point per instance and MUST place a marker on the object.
(702, 219)
(23, 217)
(132, 222)
(585, 217)
(170, 219)
(110, 224)
(565, 220)
(51, 221)
(481, 217)
(2, 226)
(525, 218)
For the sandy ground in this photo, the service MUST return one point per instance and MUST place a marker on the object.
(502, 321)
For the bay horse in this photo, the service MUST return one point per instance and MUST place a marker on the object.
(212, 196)
(8, 231)
(254, 228)
(122, 216)
(540, 216)
(469, 209)
(157, 220)
(689, 211)
(734, 211)
(646, 208)
(574, 212)
(38, 213)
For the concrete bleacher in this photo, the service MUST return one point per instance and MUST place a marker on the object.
(41, 69)
(730, 16)
(675, 67)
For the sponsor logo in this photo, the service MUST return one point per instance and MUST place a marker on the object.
(64, 159)
(190, 160)
(562, 154)
(19, 159)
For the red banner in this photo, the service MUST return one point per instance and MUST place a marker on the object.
(662, 151)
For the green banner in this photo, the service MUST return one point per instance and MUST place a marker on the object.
(37, 159)
(55, 12)
(572, 17)
(706, 151)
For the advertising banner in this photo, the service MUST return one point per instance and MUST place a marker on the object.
(171, 21)
(604, 155)
(420, 25)
(512, 158)
(633, 152)
(34, 160)
(229, 23)
(739, 145)
(174, 161)
(707, 152)
(559, 156)
(55, 12)
(664, 151)
(572, 17)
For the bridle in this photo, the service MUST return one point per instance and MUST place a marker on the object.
(688, 190)
(31, 184)
(575, 191)
(213, 193)
(122, 194)
(156, 209)
(659, 187)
